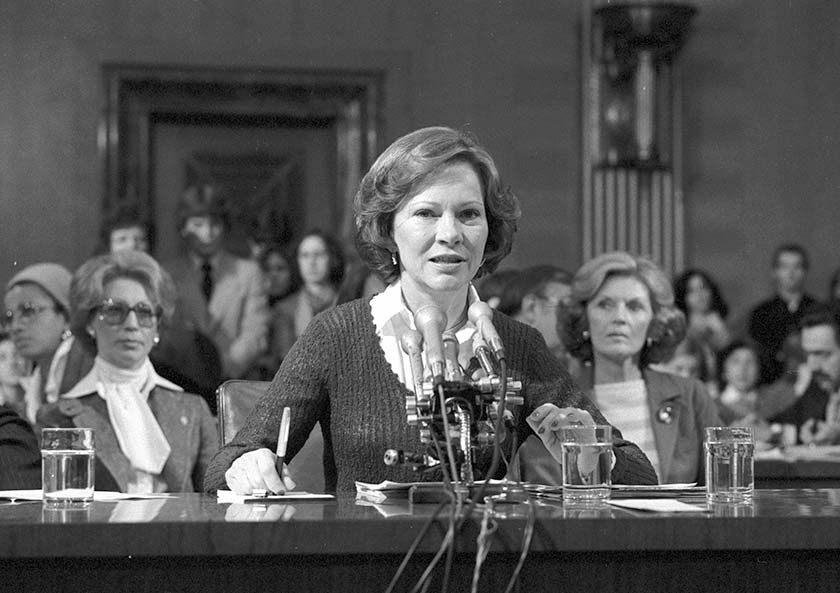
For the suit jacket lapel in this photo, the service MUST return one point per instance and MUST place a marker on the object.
(665, 408)
(173, 421)
(95, 415)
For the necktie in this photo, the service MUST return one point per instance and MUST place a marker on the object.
(207, 280)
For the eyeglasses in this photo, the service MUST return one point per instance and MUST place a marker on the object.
(25, 313)
(116, 312)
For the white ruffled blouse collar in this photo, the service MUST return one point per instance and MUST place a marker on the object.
(392, 317)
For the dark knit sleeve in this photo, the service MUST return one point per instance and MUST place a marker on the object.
(299, 384)
(546, 380)
(20, 456)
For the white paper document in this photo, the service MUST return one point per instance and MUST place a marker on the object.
(21, 495)
(658, 505)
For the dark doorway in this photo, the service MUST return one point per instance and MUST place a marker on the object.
(290, 146)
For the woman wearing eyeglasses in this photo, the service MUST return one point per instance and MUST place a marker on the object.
(37, 318)
(150, 435)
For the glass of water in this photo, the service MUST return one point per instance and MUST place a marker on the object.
(587, 462)
(67, 457)
(729, 464)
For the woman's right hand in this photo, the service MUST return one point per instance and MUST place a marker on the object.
(255, 470)
(547, 420)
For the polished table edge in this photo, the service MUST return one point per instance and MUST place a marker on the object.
(814, 469)
(778, 520)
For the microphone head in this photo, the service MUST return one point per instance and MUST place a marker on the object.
(411, 341)
(478, 310)
(481, 315)
(430, 318)
(431, 321)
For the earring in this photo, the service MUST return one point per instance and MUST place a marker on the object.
(156, 339)
(585, 335)
(649, 342)
(394, 258)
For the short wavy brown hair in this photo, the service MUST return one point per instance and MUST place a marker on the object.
(87, 289)
(667, 328)
(400, 172)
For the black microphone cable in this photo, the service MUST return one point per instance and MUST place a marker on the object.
(497, 446)
(527, 535)
(448, 490)
(414, 545)
(425, 581)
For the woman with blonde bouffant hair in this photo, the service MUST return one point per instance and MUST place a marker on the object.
(622, 319)
(150, 435)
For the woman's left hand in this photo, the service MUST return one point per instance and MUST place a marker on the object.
(548, 419)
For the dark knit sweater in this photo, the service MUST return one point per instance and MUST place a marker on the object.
(337, 374)
(20, 457)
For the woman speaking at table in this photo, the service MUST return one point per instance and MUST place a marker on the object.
(431, 215)
(150, 436)
(621, 319)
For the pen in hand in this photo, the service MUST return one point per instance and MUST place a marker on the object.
(282, 441)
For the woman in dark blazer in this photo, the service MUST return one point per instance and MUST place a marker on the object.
(621, 319)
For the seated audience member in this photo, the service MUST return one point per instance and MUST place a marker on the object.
(37, 318)
(318, 269)
(219, 295)
(698, 296)
(150, 435)
(784, 392)
(739, 400)
(124, 228)
(184, 356)
(431, 215)
(620, 320)
(20, 455)
(687, 361)
(491, 287)
(536, 297)
(771, 321)
(278, 278)
(816, 408)
(11, 370)
(359, 281)
(834, 291)
(276, 267)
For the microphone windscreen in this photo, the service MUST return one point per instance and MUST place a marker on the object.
(481, 315)
(431, 321)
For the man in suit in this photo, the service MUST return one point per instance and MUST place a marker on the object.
(221, 295)
(817, 409)
(774, 319)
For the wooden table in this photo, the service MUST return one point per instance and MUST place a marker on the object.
(799, 467)
(786, 540)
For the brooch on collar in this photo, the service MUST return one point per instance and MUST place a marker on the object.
(665, 414)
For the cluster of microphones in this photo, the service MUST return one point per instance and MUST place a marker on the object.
(459, 407)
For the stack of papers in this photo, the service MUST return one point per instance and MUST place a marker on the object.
(378, 493)
(425, 491)
(226, 496)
